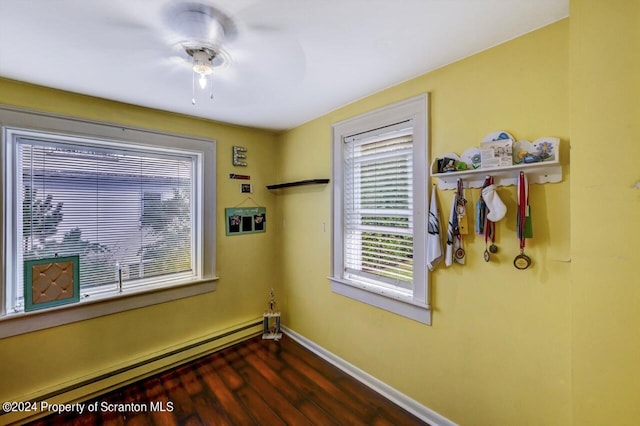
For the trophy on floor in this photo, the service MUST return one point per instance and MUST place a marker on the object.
(271, 320)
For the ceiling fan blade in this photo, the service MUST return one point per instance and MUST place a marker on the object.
(259, 66)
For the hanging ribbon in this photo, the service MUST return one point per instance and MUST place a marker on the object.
(523, 226)
(455, 251)
(489, 227)
(461, 209)
(451, 233)
(460, 224)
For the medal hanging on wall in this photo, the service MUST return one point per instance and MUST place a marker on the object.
(489, 227)
(461, 225)
(523, 226)
(489, 234)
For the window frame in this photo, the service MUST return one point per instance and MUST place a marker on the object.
(415, 305)
(353, 206)
(204, 209)
(15, 137)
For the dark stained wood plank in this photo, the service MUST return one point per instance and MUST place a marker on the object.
(231, 406)
(153, 389)
(192, 421)
(137, 420)
(287, 411)
(189, 380)
(324, 400)
(267, 350)
(230, 375)
(133, 394)
(315, 414)
(159, 418)
(378, 421)
(330, 371)
(113, 418)
(209, 411)
(175, 398)
(317, 378)
(232, 357)
(88, 420)
(256, 382)
(385, 409)
(261, 411)
(273, 376)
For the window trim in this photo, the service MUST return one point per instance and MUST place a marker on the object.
(14, 137)
(26, 322)
(15, 117)
(415, 306)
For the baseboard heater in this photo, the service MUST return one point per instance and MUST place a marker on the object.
(182, 354)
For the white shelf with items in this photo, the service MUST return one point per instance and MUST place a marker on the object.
(547, 171)
(543, 172)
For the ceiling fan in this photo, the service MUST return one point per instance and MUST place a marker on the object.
(209, 40)
(200, 30)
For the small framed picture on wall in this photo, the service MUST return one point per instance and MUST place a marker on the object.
(246, 220)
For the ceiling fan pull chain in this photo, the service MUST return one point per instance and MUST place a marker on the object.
(193, 87)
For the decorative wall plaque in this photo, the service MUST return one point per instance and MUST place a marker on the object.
(246, 220)
(239, 156)
(51, 282)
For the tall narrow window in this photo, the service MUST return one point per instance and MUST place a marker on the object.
(128, 212)
(378, 207)
(379, 203)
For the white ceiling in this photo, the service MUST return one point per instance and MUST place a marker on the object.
(290, 61)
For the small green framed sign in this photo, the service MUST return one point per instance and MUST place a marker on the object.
(246, 220)
(51, 282)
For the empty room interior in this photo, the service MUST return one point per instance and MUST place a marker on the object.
(417, 192)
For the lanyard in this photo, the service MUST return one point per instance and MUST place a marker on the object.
(459, 215)
(522, 261)
(523, 204)
(488, 227)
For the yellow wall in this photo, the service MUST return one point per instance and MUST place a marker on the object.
(605, 210)
(553, 345)
(499, 350)
(81, 349)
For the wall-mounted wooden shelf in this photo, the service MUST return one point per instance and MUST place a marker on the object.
(542, 172)
(298, 183)
(547, 171)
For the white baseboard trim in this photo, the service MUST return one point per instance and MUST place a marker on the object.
(409, 404)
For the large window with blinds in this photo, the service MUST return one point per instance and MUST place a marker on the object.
(129, 212)
(379, 198)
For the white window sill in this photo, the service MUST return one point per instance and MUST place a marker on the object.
(388, 300)
(15, 324)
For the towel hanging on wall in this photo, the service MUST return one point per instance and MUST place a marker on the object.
(434, 237)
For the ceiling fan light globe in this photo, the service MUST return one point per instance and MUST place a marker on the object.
(202, 63)
(202, 69)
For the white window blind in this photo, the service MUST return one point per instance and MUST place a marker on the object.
(379, 196)
(127, 211)
(378, 207)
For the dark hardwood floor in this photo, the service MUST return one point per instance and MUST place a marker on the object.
(256, 382)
